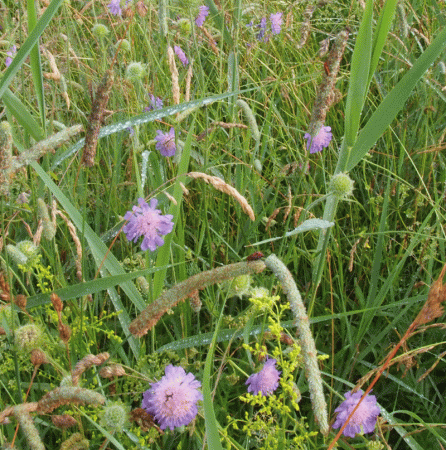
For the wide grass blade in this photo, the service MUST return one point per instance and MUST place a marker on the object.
(36, 67)
(393, 103)
(358, 78)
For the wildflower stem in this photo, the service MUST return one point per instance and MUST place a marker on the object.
(306, 339)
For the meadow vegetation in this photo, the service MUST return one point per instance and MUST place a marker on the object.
(219, 221)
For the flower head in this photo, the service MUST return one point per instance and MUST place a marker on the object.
(262, 27)
(181, 55)
(321, 140)
(276, 22)
(173, 400)
(115, 7)
(165, 142)
(11, 52)
(364, 418)
(135, 71)
(266, 381)
(100, 30)
(204, 12)
(154, 103)
(145, 220)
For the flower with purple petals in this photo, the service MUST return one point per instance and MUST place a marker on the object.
(204, 12)
(172, 401)
(166, 142)
(276, 22)
(364, 418)
(266, 381)
(321, 140)
(154, 103)
(115, 7)
(145, 220)
(181, 55)
(11, 53)
(262, 27)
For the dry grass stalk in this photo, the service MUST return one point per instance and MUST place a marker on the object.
(222, 186)
(168, 299)
(95, 118)
(210, 40)
(174, 75)
(63, 421)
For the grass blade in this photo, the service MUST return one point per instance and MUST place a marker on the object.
(394, 102)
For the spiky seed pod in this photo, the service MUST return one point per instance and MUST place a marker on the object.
(6, 158)
(115, 417)
(49, 229)
(38, 357)
(306, 338)
(28, 337)
(63, 421)
(75, 442)
(100, 30)
(67, 395)
(64, 332)
(86, 362)
(16, 255)
(28, 428)
(95, 118)
(135, 71)
(341, 186)
(57, 302)
(112, 371)
(20, 300)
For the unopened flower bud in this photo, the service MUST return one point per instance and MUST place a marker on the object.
(341, 186)
(100, 30)
(135, 71)
(115, 416)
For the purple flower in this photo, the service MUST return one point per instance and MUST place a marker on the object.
(266, 381)
(172, 401)
(11, 52)
(204, 12)
(276, 22)
(115, 7)
(166, 142)
(145, 220)
(131, 131)
(364, 418)
(321, 140)
(181, 55)
(155, 103)
(262, 27)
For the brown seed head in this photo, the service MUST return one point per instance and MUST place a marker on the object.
(57, 302)
(20, 300)
(63, 421)
(64, 332)
(38, 357)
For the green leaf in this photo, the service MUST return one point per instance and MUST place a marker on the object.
(24, 118)
(394, 102)
(359, 76)
(36, 67)
(381, 32)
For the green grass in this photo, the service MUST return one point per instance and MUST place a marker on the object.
(363, 282)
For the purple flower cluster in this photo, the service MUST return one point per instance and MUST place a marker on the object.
(154, 103)
(266, 381)
(364, 418)
(145, 220)
(181, 55)
(115, 7)
(321, 140)
(276, 26)
(204, 12)
(165, 142)
(11, 52)
(172, 401)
